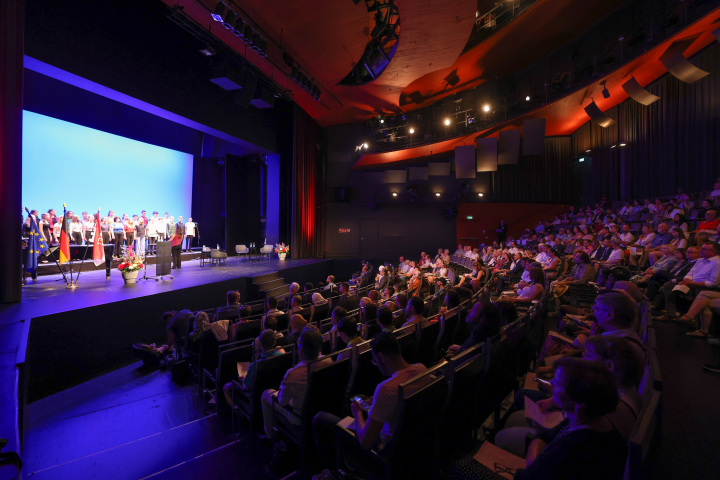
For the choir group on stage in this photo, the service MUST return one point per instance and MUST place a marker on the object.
(141, 232)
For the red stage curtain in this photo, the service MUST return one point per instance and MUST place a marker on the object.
(306, 234)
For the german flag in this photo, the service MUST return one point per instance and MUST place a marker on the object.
(64, 240)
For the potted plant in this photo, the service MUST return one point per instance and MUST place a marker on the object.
(282, 250)
(130, 265)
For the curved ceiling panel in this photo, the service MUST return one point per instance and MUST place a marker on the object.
(516, 47)
(567, 114)
(432, 36)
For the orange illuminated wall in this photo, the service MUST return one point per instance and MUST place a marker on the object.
(486, 218)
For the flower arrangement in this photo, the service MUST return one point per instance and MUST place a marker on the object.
(282, 248)
(130, 262)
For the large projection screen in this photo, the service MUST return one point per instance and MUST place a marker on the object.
(89, 169)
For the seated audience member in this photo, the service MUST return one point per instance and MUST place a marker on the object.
(291, 395)
(704, 273)
(641, 244)
(295, 304)
(231, 311)
(616, 256)
(665, 259)
(513, 270)
(330, 283)
(627, 366)
(201, 327)
(368, 311)
(338, 313)
(385, 319)
(297, 324)
(348, 330)
(662, 237)
(483, 319)
(344, 299)
(267, 347)
(375, 428)
(399, 315)
(710, 224)
(531, 290)
(414, 312)
(374, 296)
(318, 299)
(615, 314)
(271, 323)
(589, 446)
(272, 304)
(294, 290)
(450, 304)
(176, 328)
(706, 301)
(685, 261)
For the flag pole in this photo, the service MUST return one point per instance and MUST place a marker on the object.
(65, 221)
(95, 233)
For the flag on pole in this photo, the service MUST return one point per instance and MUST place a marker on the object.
(64, 240)
(98, 249)
(36, 246)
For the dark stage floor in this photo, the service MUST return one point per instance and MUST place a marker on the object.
(131, 424)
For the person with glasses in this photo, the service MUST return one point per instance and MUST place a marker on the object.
(589, 446)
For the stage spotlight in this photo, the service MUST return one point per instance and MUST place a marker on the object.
(587, 151)
(447, 122)
(480, 194)
(382, 120)
(437, 194)
(613, 146)
(394, 194)
(527, 98)
(623, 144)
(365, 146)
(219, 11)
(486, 108)
(605, 91)
(412, 130)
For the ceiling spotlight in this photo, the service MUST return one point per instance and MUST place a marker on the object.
(437, 194)
(587, 151)
(382, 120)
(613, 146)
(605, 91)
(219, 11)
(623, 144)
(412, 130)
(394, 194)
(447, 122)
(486, 108)
(364, 145)
(527, 98)
(480, 194)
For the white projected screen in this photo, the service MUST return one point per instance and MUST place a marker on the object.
(88, 169)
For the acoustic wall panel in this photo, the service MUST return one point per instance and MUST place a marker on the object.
(486, 154)
(439, 169)
(395, 176)
(533, 142)
(508, 147)
(638, 93)
(418, 174)
(465, 164)
(682, 69)
(598, 116)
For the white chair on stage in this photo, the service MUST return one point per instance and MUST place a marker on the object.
(266, 250)
(218, 257)
(241, 250)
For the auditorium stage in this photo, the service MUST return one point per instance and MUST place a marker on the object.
(69, 336)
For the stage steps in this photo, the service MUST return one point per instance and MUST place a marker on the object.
(146, 456)
(271, 285)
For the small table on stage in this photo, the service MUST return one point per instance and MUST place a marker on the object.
(204, 256)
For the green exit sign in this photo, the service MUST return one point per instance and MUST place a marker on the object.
(469, 217)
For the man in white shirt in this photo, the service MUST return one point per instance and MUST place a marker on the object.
(626, 236)
(542, 257)
(189, 233)
(705, 273)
